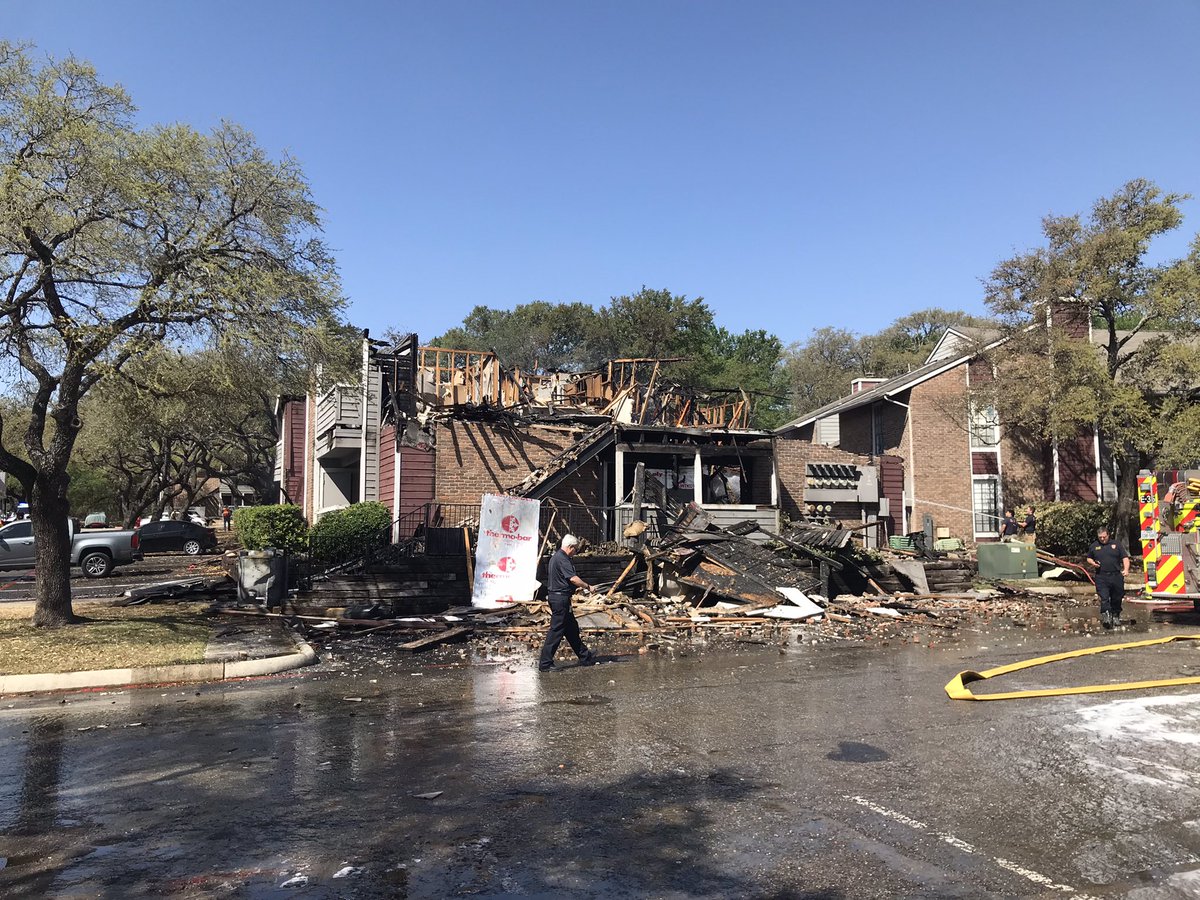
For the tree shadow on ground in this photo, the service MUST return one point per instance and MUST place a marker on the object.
(210, 799)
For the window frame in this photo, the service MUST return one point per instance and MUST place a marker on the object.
(976, 512)
(980, 419)
(7, 532)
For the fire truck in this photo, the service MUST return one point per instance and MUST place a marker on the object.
(1168, 503)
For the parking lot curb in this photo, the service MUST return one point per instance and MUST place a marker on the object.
(303, 655)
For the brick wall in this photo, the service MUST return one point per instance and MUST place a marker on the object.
(856, 431)
(792, 454)
(477, 458)
(1072, 317)
(1028, 476)
(941, 473)
(294, 430)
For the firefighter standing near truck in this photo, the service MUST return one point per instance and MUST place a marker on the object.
(1111, 561)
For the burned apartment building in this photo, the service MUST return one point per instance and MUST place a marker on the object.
(429, 430)
(939, 459)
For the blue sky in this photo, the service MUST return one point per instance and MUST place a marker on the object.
(796, 164)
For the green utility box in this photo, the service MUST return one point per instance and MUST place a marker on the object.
(1007, 561)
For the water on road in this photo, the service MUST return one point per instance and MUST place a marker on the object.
(767, 772)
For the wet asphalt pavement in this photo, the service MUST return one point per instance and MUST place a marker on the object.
(767, 772)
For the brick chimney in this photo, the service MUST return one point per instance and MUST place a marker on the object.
(1073, 316)
(858, 385)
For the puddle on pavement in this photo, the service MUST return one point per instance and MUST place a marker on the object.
(857, 752)
(587, 700)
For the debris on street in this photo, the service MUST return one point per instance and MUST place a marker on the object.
(809, 582)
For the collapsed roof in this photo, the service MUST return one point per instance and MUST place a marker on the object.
(427, 383)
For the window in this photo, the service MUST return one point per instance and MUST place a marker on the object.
(17, 530)
(985, 494)
(985, 427)
(729, 479)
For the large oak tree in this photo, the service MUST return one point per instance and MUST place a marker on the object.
(116, 240)
(1102, 335)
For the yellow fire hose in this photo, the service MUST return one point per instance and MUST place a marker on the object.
(957, 688)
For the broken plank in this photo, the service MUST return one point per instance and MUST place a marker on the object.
(434, 640)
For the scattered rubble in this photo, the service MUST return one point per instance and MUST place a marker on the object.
(811, 583)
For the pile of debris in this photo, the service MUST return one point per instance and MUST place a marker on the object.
(701, 579)
(697, 579)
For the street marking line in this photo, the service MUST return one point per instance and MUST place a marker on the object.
(917, 825)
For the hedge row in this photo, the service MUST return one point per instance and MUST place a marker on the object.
(344, 534)
(279, 527)
(1070, 528)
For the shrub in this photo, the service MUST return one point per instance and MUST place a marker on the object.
(344, 534)
(1070, 528)
(282, 527)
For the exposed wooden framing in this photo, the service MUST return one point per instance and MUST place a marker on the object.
(616, 584)
(683, 412)
(473, 378)
(649, 394)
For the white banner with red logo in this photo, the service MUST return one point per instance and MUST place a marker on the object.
(506, 555)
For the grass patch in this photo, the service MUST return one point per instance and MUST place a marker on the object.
(109, 638)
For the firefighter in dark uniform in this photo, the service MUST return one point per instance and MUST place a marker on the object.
(1111, 562)
(561, 582)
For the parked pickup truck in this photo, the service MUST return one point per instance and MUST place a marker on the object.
(96, 552)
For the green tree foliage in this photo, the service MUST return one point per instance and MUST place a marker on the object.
(1137, 379)
(349, 533)
(650, 323)
(1070, 528)
(751, 362)
(173, 422)
(552, 336)
(820, 369)
(655, 324)
(92, 490)
(116, 240)
(280, 527)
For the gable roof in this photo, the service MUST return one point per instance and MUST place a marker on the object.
(955, 347)
(959, 339)
(888, 389)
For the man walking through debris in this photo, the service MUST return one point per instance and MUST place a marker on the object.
(1112, 561)
(561, 582)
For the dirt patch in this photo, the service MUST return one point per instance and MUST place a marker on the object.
(108, 638)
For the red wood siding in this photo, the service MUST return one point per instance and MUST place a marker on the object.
(1048, 472)
(985, 464)
(1077, 468)
(891, 478)
(294, 432)
(416, 484)
(387, 468)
